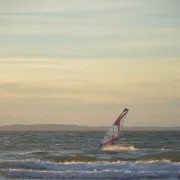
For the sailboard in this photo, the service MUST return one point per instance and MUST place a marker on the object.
(114, 131)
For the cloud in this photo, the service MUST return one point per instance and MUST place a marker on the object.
(89, 57)
(9, 86)
(76, 91)
(90, 30)
(24, 6)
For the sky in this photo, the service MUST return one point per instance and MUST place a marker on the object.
(82, 62)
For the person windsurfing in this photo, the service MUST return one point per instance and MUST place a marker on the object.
(114, 131)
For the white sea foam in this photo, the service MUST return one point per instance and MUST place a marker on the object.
(89, 174)
(118, 148)
(119, 165)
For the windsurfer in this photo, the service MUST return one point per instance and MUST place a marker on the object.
(114, 131)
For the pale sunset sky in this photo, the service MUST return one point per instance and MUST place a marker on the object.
(83, 61)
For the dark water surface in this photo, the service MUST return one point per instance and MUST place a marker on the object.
(74, 155)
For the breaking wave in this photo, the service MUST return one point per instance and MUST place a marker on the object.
(99, 169)
(75, 156)
(90, 174)
(98, 165)
(172, 156)
(118, 148)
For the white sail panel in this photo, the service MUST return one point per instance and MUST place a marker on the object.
(111, 134)
(114, 131)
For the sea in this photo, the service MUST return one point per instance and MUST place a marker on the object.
(138, 155)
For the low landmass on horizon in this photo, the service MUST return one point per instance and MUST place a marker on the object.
(64, 127)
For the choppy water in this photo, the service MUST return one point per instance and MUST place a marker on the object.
(74, 155)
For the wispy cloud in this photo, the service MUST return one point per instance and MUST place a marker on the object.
(64, 59)
(95, 29)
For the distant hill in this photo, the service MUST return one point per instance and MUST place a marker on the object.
(63, 127)
(50, 127)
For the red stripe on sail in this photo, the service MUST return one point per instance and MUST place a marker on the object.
(118, 123)
(111, 140)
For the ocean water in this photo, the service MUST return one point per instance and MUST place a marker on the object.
(74, 155)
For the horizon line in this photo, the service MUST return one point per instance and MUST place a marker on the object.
(81, 125)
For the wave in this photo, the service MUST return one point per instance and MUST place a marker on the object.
(99, 165)
(121, 157)
(111, 153)
(131, 153)
(172, 156)
(104, 174)
(94, 170)
(71, 157)
(118, 148)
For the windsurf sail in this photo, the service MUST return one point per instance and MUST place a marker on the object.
(114, 131)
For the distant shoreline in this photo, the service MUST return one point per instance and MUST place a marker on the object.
(64, 127)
